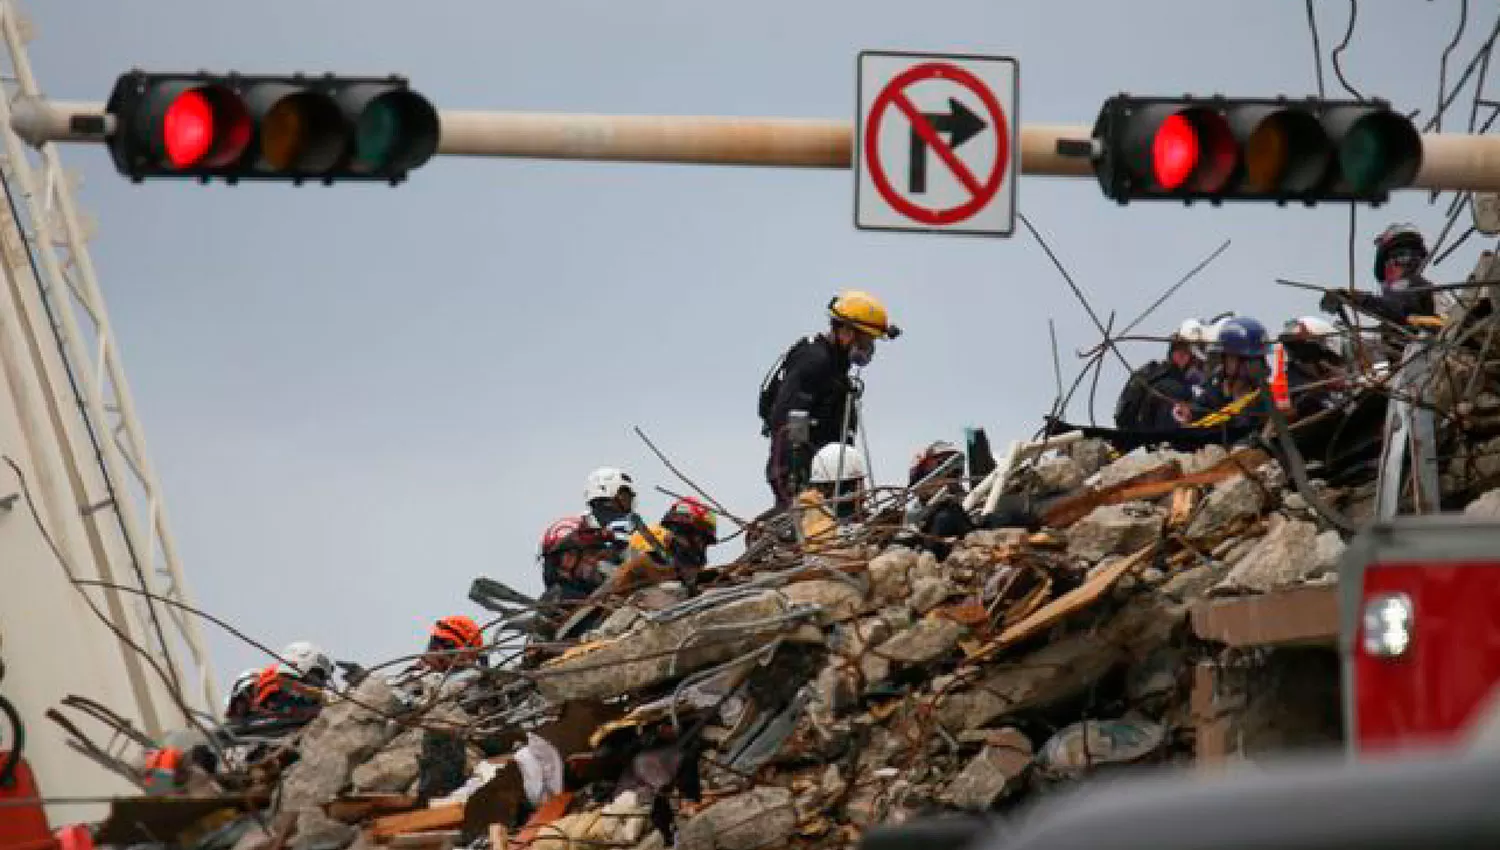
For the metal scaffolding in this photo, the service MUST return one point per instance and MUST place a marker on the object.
(53, 232)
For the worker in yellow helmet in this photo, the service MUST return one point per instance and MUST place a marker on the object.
(807, 399)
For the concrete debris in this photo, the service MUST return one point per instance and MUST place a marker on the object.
(927, 641)
(995, 770)
(1115, 530)
(1058, 475)
(796, 699)
(763, 817)
(1232, 501)
(1486, 506)
(1289, 553)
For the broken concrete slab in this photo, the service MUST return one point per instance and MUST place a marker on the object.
(1058, 474)
(890, 574)
(343, 734)
(1115, 530)
(928, 640)
(1231, 502)
(656, 651)
(929, 593)
(1486, 506)
(392, 769)
(990, 774)
(1286, 555)
(1137, 463)
(839, 600)
(1090, 455)
(763, 817)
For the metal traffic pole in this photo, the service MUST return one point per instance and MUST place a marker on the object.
(1455, 161)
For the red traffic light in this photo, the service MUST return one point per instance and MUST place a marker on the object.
(1192, 149)
(199, 126)
(287, 128)
(1266, 149)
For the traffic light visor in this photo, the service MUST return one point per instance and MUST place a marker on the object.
(1381, 151)
(1192, 149)
(204, 126)
(395, 131)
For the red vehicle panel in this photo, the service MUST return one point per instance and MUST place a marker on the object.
(1432, 693)
(1420, 632)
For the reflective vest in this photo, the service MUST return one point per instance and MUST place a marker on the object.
(161, 771)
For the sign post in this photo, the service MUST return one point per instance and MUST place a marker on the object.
(938, 143)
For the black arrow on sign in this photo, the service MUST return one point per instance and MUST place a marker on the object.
(959, 123)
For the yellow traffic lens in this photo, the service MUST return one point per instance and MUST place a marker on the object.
(1286, 153)
(301, 133)
(281, 135)
(1266, 154)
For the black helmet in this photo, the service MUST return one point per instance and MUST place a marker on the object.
(1393, 237)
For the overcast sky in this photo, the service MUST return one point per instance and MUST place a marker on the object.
(360, 398)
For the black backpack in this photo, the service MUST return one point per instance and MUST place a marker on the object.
(770, 385)
(1136, 397)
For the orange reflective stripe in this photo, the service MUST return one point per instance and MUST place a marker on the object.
(165, 759)
(1280, 391)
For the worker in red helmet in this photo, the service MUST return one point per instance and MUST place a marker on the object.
(572, 551)
(454, 642)
(675, 548)
(935, 480)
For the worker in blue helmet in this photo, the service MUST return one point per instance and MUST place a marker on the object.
(1239, 375)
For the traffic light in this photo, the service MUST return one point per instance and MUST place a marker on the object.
(252, 127)
(1252, 149)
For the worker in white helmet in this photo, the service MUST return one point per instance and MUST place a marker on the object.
(838, 476)
(1312, 367)
(610, 495)
(1160, 395)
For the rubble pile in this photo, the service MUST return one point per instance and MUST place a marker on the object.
(865, 684)
(858, 673)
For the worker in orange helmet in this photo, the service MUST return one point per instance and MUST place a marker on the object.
(455, 641)
(292, 689)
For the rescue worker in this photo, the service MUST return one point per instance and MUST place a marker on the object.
(1160, 395)
(610, 495)
(1240, 376)
(241, 695)
(937, 513)
(1310, 374)
(184, 765)
(677, 547)
(572, 551)
(1400, 255)
(836, 484)
(807, 398)
(455, 642)
(292, 689)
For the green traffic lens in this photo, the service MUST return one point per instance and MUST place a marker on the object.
(1363, 158)
(377, 136)
(1381, 151)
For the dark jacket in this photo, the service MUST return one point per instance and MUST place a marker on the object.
(621, 525)
(816, 379)
(1157, 387)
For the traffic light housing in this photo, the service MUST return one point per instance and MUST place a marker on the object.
(292, 128)
(1253, 149)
